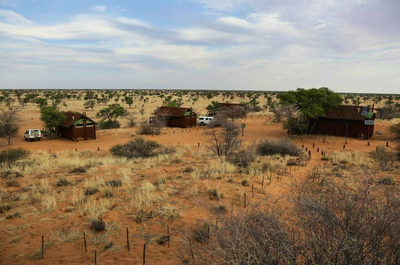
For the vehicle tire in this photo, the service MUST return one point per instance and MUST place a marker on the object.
(29, 139)
(202, 124)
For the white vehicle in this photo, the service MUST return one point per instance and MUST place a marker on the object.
(32, 134)
(204, 120)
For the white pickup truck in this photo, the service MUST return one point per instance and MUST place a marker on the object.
(32, 134)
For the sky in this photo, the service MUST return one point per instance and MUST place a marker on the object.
(280, 45)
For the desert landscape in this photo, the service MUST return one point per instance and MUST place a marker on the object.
(77, 202)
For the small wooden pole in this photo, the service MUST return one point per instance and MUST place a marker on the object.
(232, 209)
(313, 145)
(98, 148)
(169, 238)
(344, 146)
(42, 247)
(216, 224)
(191, 251)
(198, 144)
(252, 190)
(84, 241)
(317, 149)
(144, 254)
(127, 239)
(244, 200)
(262, 183)
(95, 257)
(306, 149)
(387, 144)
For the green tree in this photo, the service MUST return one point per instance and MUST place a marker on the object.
(52, 118)
(41, 102)
(9, 123)
(89, 104)
(129, 101)
(110, 114)
(311, 103)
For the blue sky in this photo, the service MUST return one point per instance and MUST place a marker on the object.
(346, 45)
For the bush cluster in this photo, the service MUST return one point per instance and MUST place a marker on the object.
(281, 147)
(10, 156)
(136, 148)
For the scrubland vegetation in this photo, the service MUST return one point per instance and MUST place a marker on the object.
(226, 201)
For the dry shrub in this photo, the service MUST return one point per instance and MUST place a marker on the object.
(337, 223)
(282, 147)
(384, 158)
(242, 158)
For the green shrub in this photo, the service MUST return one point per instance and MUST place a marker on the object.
(244, 182)
(91, 191)
(135, 149)
(10, 156)
(109, 124)
(62, 181)
(98, 225)
(281, 147)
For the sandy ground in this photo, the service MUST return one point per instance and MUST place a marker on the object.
(258, 128)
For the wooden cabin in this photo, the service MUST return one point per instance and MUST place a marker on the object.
(237, 107)
(77, 127)
(344, 120)
(176, 117)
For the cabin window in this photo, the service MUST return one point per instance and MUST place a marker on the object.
(79, 124)
(89, 124)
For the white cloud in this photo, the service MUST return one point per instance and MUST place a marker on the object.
(99, 8)
(11, 17)
(267, 45)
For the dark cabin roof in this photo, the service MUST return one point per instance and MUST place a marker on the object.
(348, 112)
(71, 117)
(171, 111)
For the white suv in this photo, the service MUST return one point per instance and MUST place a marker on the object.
(204, 120)
(32, 134)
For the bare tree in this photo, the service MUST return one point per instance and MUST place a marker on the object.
(131, 118)
(225, 141)
(9, 123)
